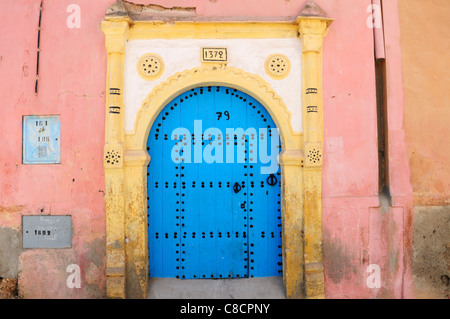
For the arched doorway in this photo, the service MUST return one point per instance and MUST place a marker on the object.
(213, 186)
(300, 161)
(126, 182)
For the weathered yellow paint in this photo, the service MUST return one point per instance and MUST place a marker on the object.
(212, 74)
(212, 30)
(136, 224)
(126, 178)
(291, 162)
(115, 196)
(312, 32)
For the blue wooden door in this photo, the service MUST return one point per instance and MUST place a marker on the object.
(213, 203)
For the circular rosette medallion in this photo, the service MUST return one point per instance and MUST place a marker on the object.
(150, 66)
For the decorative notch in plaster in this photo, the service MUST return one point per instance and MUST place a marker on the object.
(277, 66)
(150, 66)
(313, 155)
(113, 158)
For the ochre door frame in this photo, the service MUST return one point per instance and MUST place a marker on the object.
(126, 157)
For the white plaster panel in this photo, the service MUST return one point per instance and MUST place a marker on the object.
(248, 55)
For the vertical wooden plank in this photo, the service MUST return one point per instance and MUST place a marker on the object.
(206, 217)
(155, 198)
(171, 206)
(191, 193)
(239, 174)
(223, 176)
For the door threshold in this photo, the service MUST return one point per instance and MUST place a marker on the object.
(244, 288)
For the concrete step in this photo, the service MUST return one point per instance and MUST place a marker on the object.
(246, 288)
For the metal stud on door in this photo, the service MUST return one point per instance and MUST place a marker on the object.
(212, 214)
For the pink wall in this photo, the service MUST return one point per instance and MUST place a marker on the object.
(399, 169)
(350, 183)
(72, 84)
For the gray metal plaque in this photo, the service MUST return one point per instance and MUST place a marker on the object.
(47, 231)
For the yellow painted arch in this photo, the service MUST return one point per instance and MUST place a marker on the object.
(125, 181)
(215, 75)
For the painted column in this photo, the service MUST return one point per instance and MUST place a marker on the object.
(293, 234)
(115, 31)
(312, 29)
(136, 231)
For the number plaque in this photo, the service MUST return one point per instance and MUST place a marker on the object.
(41, 140)
(47, 231)
(215, 55)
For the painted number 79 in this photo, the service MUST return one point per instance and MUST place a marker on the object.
(226, 114)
